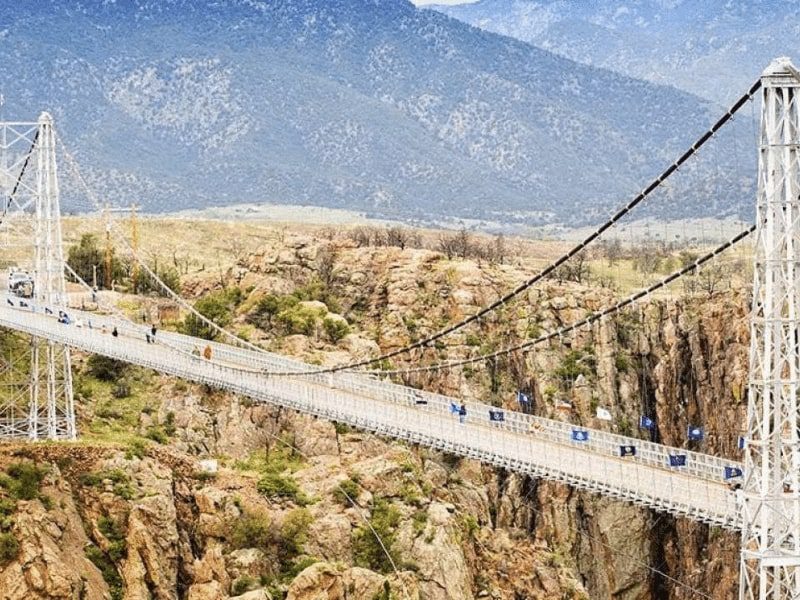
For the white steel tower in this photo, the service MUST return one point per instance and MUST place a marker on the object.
(36, 400)
(770, 556)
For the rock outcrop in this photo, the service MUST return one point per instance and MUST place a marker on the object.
(142, 521)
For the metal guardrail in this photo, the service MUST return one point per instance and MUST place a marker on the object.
(698, 464)
(522, 443)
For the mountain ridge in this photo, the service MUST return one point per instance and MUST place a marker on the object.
(377, 107)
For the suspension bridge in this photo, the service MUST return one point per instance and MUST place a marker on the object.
(695, 485)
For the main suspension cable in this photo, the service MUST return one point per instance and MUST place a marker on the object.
(595, 316)
(474, 317)
(567, 256)
(72, 163)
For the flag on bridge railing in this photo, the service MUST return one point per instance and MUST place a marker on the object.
(603, 414)
(695, 433)
(627, 450)
(523, 398)
(580, 435)
(496, 415)
(646, 423)
(731, 472)
(455, 408)
(677, 460)
(742, 443)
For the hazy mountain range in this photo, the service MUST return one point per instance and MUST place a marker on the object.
(369, 105)
(711, 48)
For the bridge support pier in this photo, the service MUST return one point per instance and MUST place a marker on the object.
(770, 555)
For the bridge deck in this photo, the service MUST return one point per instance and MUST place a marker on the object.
(522, 443)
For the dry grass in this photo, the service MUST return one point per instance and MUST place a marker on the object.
(203, 248)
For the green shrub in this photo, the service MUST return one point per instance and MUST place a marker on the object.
(169, 424)
(574, 364)
(120, 479)
(157, 434)
(297, 566)
(115, 534)
(300, 319)
(277, 485)
(341, 428)
(294, 533)
(107, 570)
(218, 307)
(367, 551)
(251, 531)
(268, 308)
(472, 340)
(137, 448)
(316, 289)
(23, 481)
(471, 525)
(242, 585)
(348, 487)
(418, 521)
(122, 389)
(335, 329)
(106, 369)
(86, 256)
(410, 494)
(7, 507)
(621, 362)
(168, 275)
(9, 548)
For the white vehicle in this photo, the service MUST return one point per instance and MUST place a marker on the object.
(20, 282)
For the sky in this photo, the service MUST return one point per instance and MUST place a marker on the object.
(448, 2)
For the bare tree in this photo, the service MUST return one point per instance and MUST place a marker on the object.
(648, 257)
(326, 264)
(712, 278)
(446, 245)
(237, 248)
(397, 236)
(612, 250)
(499, 249)
(576, 269)
(463, 243)
(361, 235)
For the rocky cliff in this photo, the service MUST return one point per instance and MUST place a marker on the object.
(298, 505)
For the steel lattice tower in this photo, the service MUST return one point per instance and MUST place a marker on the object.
(36, 399)
(770, 556)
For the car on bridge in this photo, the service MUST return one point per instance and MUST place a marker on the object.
(20, 282)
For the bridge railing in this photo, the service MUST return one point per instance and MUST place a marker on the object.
(606, 443)
(495, 443)
(698, 464)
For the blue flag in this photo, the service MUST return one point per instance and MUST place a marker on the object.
(731, 472)
(496, 415)
(523, 398)
(627, 450)
(646, 423)
(677, 460)
(580, 435)
(741, 444)
(454, 408)
(695, 433)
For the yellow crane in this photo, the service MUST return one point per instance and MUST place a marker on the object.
(109, 248)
